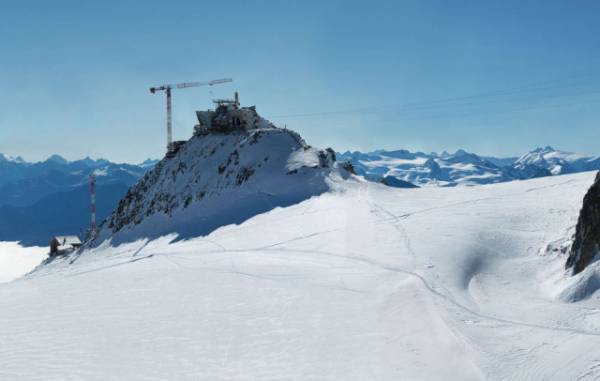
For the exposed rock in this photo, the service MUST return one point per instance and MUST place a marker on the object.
(219, 178)
(524, 171)
(586, 245)
(395, 182)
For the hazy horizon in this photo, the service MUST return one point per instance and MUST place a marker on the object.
(71, 159)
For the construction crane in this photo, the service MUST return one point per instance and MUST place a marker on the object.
(167, 89)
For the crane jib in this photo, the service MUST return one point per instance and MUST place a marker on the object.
(190, 84)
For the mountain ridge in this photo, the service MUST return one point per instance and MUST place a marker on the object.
(466, 168)
(217, 179)
(25, 185)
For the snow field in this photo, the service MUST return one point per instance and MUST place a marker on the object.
(362, 282)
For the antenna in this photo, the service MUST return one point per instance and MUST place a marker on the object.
(93, 204)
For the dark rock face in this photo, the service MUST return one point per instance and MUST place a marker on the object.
(218, 179)
(395, 182)
(587, 235)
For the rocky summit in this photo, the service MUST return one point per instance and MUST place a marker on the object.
(586, 245)
(218, 178)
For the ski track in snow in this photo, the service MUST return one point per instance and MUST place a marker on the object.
(363, 283)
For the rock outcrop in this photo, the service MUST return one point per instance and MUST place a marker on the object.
(220, 178)
(586, 245)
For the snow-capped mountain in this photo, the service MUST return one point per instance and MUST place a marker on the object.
(23, 183)
(7, 158)
(217, 179)
(41, 199)
(424, 169)
(464, 168)
(559, 162)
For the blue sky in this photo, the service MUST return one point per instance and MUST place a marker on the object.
(495, 78)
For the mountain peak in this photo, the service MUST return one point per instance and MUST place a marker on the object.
(462, 167)
(219, 177)
(545, 149)
(7, 158)
(57, 159)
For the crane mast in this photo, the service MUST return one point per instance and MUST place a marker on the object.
(167, 89)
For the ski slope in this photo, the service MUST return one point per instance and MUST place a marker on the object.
(363, 282)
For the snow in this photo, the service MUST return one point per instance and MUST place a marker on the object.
(363, 282)
(16, 260)
(394, 162)
(302, 158)
(193, 193)
(559, 162)
(464, 168)
(104, 172)
(18, 159)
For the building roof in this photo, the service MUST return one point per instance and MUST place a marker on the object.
(67, 240)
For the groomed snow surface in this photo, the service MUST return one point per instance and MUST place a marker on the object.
(364, 282)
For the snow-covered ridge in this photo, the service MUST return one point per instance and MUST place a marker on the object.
(218, 179)
(559, 162)
(464, 168)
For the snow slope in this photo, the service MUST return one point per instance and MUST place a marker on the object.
(16, 261)
(363, 282)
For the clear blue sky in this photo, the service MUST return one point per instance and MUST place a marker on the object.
(495, 77)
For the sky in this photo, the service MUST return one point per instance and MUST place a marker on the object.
(491, 77)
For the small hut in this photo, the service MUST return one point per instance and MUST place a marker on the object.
(64, 244)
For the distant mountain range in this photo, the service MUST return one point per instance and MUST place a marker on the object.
(221, 178)
(38, 200)
(464, 168)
